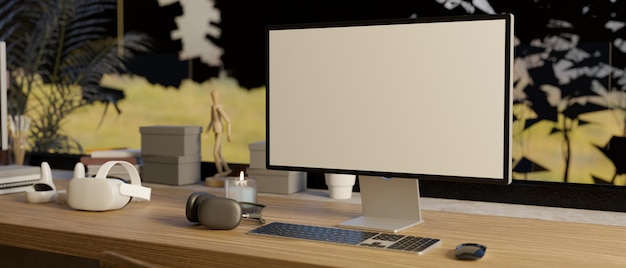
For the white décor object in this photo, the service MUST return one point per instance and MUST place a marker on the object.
(340, 185)
(4, 132)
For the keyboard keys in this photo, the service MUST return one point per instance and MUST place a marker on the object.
(347, 236)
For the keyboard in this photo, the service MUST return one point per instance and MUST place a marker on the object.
(361, 238)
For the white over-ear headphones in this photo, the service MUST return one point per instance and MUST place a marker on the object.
(102, 193)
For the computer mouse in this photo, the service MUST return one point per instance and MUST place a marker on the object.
(469, 251)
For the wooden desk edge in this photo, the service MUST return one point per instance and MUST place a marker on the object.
(93, 246)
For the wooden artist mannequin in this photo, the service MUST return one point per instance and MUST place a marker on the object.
(217, 115)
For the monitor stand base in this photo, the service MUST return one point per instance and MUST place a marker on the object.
(389, 205)
(379, 224)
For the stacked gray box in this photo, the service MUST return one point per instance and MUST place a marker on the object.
(273, 181)
(171, 154)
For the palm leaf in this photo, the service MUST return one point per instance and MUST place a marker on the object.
(60, 45)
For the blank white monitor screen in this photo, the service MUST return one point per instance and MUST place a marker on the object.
(421, 98)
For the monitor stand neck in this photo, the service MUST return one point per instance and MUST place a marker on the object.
(389, 204)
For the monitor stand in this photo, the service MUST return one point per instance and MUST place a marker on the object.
(389, 204)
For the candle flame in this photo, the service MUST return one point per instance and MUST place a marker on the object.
(241, 176)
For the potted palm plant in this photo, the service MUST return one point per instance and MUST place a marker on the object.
(57, 53)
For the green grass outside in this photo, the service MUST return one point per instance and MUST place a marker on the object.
(148, 104)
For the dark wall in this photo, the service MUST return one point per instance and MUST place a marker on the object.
(243, 22)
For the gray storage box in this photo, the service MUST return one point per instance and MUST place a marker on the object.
(278, 181)
(257, 154)
(170, 140)
(172, 170)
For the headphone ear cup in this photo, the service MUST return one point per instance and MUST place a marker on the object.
(219, 213)
(193, 201)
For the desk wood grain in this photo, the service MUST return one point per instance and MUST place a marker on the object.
(157, 231)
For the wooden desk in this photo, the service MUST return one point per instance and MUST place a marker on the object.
(157, 231)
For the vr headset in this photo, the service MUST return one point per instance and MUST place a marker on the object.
(102, 193)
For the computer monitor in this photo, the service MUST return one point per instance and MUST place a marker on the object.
(393, 102)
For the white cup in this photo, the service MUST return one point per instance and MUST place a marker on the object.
(340, 185)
